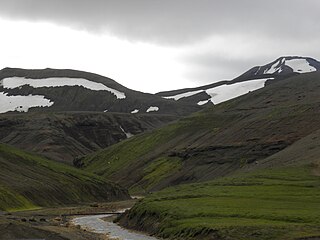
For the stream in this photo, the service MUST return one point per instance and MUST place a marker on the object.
(94, 223)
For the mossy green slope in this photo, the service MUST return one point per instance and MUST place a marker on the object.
(267, 204)
(28, 181)
(217, 141)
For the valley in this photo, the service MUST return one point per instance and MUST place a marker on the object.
(57, 223)
(159, 120)
(236, 159)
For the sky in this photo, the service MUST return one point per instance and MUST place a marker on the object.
(157, 45)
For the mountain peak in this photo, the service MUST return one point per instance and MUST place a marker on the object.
(296, 64)
(283, 66)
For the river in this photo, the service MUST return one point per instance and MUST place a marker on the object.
(94, 223)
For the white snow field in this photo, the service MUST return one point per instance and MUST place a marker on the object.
(277, 67)
(225, 92)
(200, 103)
(15, 82)
(300, 65)
(183, 95)
(152, 109)
(297, 65)
(22, 103)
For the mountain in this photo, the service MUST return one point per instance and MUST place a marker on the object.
(283, 67)
(51, 90)
(67, 136)
(254, 79)
(217, 141)
(28, 181)
(247, 168)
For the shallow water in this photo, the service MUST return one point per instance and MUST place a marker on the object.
(95, 224)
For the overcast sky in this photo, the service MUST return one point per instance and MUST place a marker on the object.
(155, 45)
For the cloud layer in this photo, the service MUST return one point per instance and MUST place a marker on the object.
(220, 37)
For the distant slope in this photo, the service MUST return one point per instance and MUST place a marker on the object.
(29, 181)
(66, 136)
(217, 141)
(253, 79)
(70, 90)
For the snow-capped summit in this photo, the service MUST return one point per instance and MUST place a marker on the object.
(283, 66)
(254, 79)
(297, 65)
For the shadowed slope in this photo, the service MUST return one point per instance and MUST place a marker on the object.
(29, 181)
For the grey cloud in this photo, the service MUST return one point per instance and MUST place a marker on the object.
(174, 21)
(232, 58)
(285, 26)
(208, 68)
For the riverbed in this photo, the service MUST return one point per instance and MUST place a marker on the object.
(96, 224)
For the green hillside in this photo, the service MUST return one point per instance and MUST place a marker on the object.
(267, 204)
(279, 199)
(28, 181)
(230, 137)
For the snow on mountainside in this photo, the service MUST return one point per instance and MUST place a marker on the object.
(297, 66)
(283, 67)
(52, 90)
(22, 103)
(184, 95)
(15, 82)
(224, 92)
(152, 109)
(70, 90)
(251, 80)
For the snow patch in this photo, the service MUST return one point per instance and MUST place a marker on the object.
(274, 68)
(15, 82)
(129, 135)
(203, 102)
(152, 109)
(300, 65)
(22, 103)
(135, 111)
(183, 95)
(226, 92)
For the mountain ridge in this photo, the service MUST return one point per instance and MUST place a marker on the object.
(205, 95)
(72, 90)
(204, 145)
